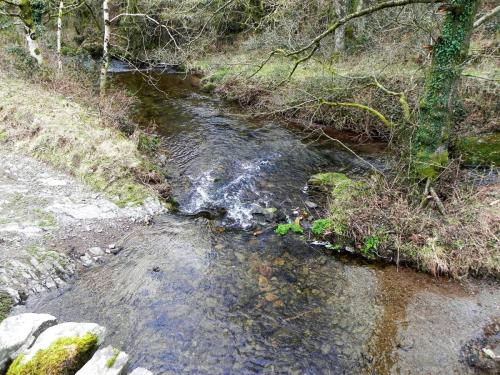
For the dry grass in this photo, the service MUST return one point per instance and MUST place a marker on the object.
(71, 137)
(463, 242)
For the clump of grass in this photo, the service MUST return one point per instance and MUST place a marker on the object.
(63, 357)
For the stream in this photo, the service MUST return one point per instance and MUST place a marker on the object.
(198, 296)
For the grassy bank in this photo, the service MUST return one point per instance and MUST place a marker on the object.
(378, 220)
(73, 138)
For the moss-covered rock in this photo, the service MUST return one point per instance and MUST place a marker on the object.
(480, 150)
(63, 357)
(5, 305)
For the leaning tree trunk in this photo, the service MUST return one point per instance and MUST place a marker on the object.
(430, 148)
(26, 15)
(59, 35)
(105, 48)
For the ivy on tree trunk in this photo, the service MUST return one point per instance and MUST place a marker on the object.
(435, 122)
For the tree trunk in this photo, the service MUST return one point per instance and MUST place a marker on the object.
(59, 35)
(105, 47)
(341, 10)
(26, 15)
(430, 148)
(361, 22)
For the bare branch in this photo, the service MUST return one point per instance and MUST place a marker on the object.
(143, 15)
(487, 16)
(315, 43)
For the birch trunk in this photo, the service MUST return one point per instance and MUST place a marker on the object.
(59, 36)
(105, 47)
(26, 15)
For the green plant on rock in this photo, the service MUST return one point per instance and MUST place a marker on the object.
(5, 305)
(111, 361)
(63, 357)
(370, 246)
(283, 229)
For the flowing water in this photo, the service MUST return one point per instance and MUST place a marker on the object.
(189, 295)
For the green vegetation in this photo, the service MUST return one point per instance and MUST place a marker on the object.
(283, 229)
(480, 150)
(5, 305)
(72, 138)
(321, 226)
(370, 246)
(63, 357)
(111, 361)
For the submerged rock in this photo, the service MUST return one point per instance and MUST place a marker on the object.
(310, 204)
(18, 332)
(107, 361)
(210, 213)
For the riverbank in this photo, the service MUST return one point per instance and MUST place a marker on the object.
(71, 188)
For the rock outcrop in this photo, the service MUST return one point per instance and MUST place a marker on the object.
(18, 333)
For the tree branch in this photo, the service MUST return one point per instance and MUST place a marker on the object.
(487, 16)
(315, 43)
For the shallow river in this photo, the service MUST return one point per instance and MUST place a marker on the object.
(188, 295)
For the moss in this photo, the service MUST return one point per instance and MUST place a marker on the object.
(343, 190)
(45, 219)
(430, 164)
(63, 357)
(110, 362)
(5, 305)
(283, 229)
(321, 226)
(480, 150)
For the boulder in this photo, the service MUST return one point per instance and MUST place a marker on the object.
(96, 251)
(107, 361)
(18, 332)
(141, 371)
(479, 150)
(64, 330)
(61, 349)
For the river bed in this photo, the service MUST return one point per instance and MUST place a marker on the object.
(191, 295)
